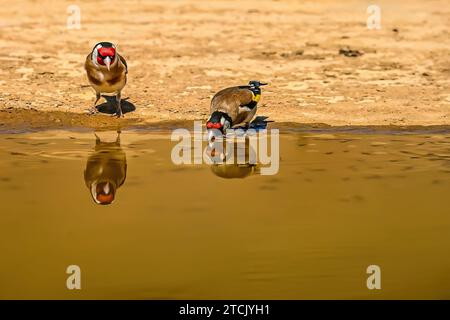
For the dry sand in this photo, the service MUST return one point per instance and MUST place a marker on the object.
(181, 52)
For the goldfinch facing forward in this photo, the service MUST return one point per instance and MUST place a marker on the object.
(107, 72)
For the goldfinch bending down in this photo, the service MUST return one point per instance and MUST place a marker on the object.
(107, 73)
(234, 106)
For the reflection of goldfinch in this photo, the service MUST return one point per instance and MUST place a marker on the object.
(234, 171)
(107, 72)
(233, 106)
(235, 167)
(106, 170)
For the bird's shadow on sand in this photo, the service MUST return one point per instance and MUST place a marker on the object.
(110, 105)
(260, 123)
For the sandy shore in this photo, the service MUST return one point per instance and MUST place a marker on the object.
(181, 52)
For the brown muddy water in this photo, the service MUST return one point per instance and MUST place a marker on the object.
(339, 203)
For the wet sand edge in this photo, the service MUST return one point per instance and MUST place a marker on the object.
(27, 120)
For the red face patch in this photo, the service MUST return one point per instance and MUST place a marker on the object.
(211, 125)
(105, 52)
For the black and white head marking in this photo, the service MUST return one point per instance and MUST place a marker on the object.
(101, 45)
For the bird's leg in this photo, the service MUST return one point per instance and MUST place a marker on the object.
(94, 110)
(118, 107)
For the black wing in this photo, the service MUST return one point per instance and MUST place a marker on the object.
(124, 63)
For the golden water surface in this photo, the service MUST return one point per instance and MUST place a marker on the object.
(339, 203)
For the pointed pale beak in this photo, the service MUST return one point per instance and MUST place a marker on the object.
(211, 136)
(215, 138)
(106, 188)
(107, 62)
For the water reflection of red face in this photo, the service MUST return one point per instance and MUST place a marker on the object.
(104, 52)
(105, 193)
(105, 198)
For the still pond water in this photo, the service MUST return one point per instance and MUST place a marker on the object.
(339, 203)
